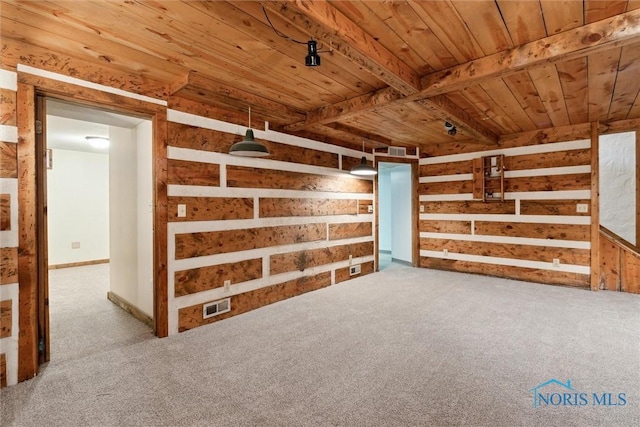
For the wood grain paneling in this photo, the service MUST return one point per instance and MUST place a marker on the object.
(442, 226)
(216, 242)
(8, 160)
(6, 319)
(534, 230)
(271, 207)
(244, 177)
(342, 274)
(503, 250)
(350, 230)
(548, 160)
(301, 260)
(191, 317)
(518, 273)
(581, 181)
(447, 187)
(9, 265)
(182, 172)
(609, 265)
(469, 207)
(185, 136)
(210, 208)
(3, 370)
(552, 207)
(7, 107)
(363, 206)
(630, 272)
(448, 168)
(213, 276)
(5, 212)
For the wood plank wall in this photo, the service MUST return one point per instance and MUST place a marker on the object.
(521, 237)
(9, 304)
(275, 227)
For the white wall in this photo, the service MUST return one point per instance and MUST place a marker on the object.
(78, 207)
(401, 213)
(384, 212)
(618, 184)
(131, 218)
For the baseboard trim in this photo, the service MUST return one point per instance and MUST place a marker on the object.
(384, 252)
(79, 264)
(400, 261)
(129, 308)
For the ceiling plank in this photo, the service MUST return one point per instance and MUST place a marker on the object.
(620, 30)
(379, 141)
(332, 27)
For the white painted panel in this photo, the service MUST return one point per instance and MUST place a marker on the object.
(8, 80)
(516, 151)
(210, 191)
(8, 133)
(566, 268)
(566, 170)
(446, 178)
(144, 153)
(574, 244)
(9, 238)
(543, 219)
(73, 80)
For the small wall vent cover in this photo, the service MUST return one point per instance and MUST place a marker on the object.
(217, 307)
(398, 151)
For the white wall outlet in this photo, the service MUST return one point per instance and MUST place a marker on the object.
(582, 208)
(370, 208)
(227, 285)
(75, 245)
(556, 262)
(355, 269)
(182, 211)
(445, 252)
(421, 208)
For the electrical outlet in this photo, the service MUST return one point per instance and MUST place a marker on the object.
(75, 245)
(445, 252)
(227, 285)
(421, 208)
(356, 269)
(182, 211)
(370, 208)
(556, 262)
(582, 208)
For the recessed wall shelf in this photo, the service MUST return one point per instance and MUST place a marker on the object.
(488, 178)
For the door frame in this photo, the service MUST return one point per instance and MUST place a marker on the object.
(32, 275)
(415, 207)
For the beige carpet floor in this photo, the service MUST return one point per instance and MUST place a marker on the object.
(398, 348)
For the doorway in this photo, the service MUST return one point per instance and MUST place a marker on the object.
(395, 215)
(98, 188)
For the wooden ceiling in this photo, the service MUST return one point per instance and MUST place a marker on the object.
(392, 71)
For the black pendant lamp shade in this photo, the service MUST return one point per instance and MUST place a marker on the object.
(249, 147)
(312, 59)
(363, 169)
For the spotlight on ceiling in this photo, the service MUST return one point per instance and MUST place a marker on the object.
(312, 59)
(451, 129)
(97, 141)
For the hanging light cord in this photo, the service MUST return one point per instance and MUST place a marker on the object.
(249, 117)
(280, 34)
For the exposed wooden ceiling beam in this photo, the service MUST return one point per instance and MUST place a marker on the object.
(599, 36)
(326, 23)
(376, 141)
(620, 30)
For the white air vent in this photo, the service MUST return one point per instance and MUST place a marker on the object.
(398, 151)
(354, 269)
(217, 307)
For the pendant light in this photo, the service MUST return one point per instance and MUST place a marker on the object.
(249, 147)
(363, 169)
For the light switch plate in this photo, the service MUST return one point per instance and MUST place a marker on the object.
(182, 211)
(582, 208)
(370, 208)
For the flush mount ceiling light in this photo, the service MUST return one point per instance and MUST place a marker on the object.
(363, 169)
(249, 147)
(312, 59)
(97, 141)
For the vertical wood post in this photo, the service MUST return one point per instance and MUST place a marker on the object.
(161, 304)
(595, 207)
(27, 234)
(637, 188)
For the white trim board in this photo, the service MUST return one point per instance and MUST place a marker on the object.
(506, 218)
(527, 241)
